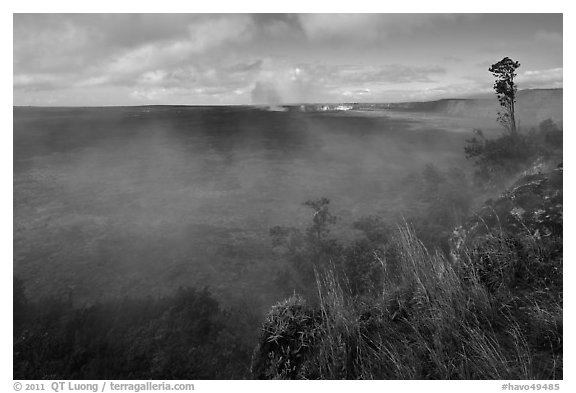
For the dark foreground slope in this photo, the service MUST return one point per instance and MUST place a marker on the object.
(492, 309)
(187, 335)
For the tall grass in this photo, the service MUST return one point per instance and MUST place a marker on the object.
(435, 318)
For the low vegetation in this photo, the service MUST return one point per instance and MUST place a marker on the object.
(489, 312)
(484, 302)
(185, 336)
(500, 159)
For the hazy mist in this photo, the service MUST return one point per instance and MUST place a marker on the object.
(142, 200)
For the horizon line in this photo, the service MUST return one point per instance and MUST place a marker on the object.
(477, 96)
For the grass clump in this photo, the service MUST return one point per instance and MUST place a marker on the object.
(437, 317)
(288, 341)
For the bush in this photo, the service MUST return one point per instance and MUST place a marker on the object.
(289, 335)
(438, 318)
(434, 202)
(315, 250)
(305, 251)
(185, 336)
(498, 159)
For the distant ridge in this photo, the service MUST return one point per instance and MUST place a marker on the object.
(492, 95)
(532, 106)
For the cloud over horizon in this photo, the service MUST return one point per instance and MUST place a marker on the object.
(130, 59)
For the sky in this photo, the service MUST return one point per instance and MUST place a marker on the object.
(231, 59)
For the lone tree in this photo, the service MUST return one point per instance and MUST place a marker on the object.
(504, 72)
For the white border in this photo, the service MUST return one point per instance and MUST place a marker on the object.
(166, 6)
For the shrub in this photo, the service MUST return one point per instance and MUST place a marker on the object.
(289, 336)
(498, 159)
(434, 202)
(438, 318)
(184, 336)
(313, 248)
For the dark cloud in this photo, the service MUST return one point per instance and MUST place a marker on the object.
(361, 27)
(245, 67)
